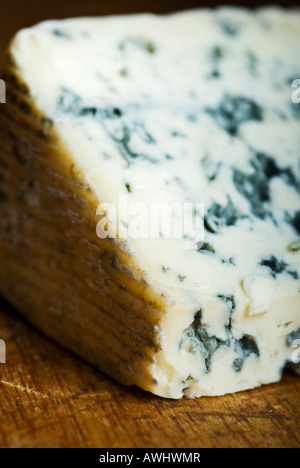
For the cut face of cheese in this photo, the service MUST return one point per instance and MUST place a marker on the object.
(193, 108)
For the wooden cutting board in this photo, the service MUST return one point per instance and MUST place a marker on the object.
(50, 398)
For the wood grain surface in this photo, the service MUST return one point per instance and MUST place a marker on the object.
(50, 398)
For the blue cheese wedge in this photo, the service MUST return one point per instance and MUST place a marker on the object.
(192, 108)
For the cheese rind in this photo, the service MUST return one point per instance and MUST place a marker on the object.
(127, 106)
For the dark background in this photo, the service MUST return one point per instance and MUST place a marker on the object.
(17, 14)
